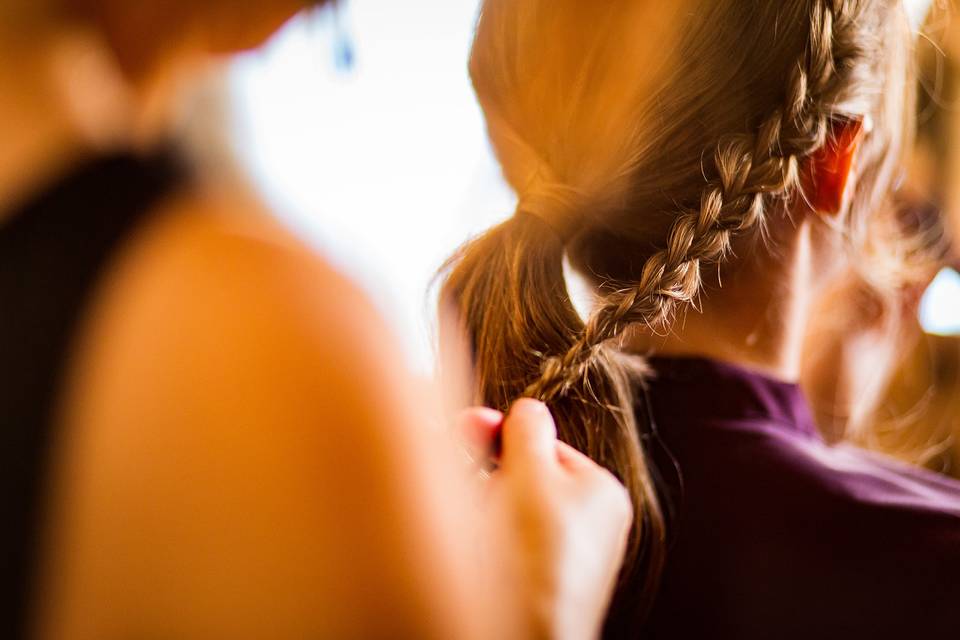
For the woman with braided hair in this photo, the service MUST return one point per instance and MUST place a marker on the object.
(710, 168)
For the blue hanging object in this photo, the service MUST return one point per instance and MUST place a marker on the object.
(344, 56)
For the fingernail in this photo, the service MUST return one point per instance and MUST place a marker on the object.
(487, 415)
(529, 405)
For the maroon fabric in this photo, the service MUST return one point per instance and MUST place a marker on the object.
(779, 535)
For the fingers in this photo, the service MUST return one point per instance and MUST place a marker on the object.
(596, 478)
(479, 427)
(455, 364)
(573, 460)
(529, 435)
(579, 464)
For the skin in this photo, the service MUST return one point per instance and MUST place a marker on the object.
(762, 314)
(241, 455)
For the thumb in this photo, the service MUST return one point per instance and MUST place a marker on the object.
(529, 435)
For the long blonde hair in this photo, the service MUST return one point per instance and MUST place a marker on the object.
(643, 138)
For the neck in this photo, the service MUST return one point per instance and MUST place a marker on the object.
(758, 317)
(60, 99)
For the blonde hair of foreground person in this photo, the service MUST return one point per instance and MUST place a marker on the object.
(661, 149)
(238, 450)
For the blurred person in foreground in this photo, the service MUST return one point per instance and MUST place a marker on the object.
(207, 431)
(713, 190)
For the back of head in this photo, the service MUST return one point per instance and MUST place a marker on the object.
(644, 139)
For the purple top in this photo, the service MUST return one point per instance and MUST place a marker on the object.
(779, 535)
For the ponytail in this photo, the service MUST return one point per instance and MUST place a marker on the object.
(508, 286)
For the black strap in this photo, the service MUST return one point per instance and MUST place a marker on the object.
(53, 251)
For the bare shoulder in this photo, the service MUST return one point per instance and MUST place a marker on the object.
(233, 399)
(215, 283)
(229, 255)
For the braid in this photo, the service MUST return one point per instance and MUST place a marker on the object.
(751, 169)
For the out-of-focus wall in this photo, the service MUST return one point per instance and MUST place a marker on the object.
(384, 164)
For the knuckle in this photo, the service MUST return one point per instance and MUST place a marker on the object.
(605, 477)
(625, 503)
(617, 495)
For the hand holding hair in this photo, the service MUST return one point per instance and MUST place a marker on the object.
(567, 518)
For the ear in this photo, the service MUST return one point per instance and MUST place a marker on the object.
(829, 168)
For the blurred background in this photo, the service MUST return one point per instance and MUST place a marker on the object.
(359, 125)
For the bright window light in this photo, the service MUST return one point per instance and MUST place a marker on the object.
(917, 11)
(384, 166)
(940, 307)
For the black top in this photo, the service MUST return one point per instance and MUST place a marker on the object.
(54, 250)
(780, 535)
